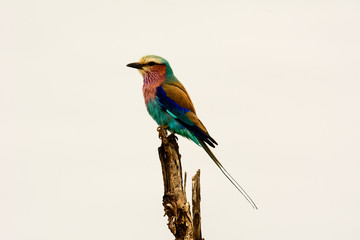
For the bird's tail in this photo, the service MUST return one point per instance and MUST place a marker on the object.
(232, 180)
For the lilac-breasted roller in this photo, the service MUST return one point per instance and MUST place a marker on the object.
(169, 104)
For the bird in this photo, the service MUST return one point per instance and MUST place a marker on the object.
(169, 104)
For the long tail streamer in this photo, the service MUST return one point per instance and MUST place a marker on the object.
(232, 180)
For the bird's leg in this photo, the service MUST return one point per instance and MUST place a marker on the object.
(162, 132)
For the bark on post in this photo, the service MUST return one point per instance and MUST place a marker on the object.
(176, 206)
(196, 206)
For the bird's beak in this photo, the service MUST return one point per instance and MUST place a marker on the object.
(135, 65)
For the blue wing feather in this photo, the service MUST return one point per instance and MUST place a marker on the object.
(170, 105)
(179, 114)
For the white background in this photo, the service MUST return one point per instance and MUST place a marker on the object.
(276, 84)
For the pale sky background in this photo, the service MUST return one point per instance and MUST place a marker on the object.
(276, 84)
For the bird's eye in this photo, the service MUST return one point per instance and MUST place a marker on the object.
(151, 63)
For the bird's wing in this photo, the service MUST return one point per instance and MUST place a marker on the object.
(174, 99)
(177, 92)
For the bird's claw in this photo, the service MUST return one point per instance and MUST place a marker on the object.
(162, 132)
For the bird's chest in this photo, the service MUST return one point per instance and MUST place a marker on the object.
(157, 113)
(152, 103)
(149, 92)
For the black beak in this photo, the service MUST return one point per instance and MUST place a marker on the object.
(135, 65)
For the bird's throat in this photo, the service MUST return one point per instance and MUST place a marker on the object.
(152, 80)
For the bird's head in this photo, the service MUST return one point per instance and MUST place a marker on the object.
(152, 64)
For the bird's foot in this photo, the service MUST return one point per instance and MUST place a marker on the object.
(162, 132)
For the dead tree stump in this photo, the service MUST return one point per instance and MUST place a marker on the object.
(180, 222)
